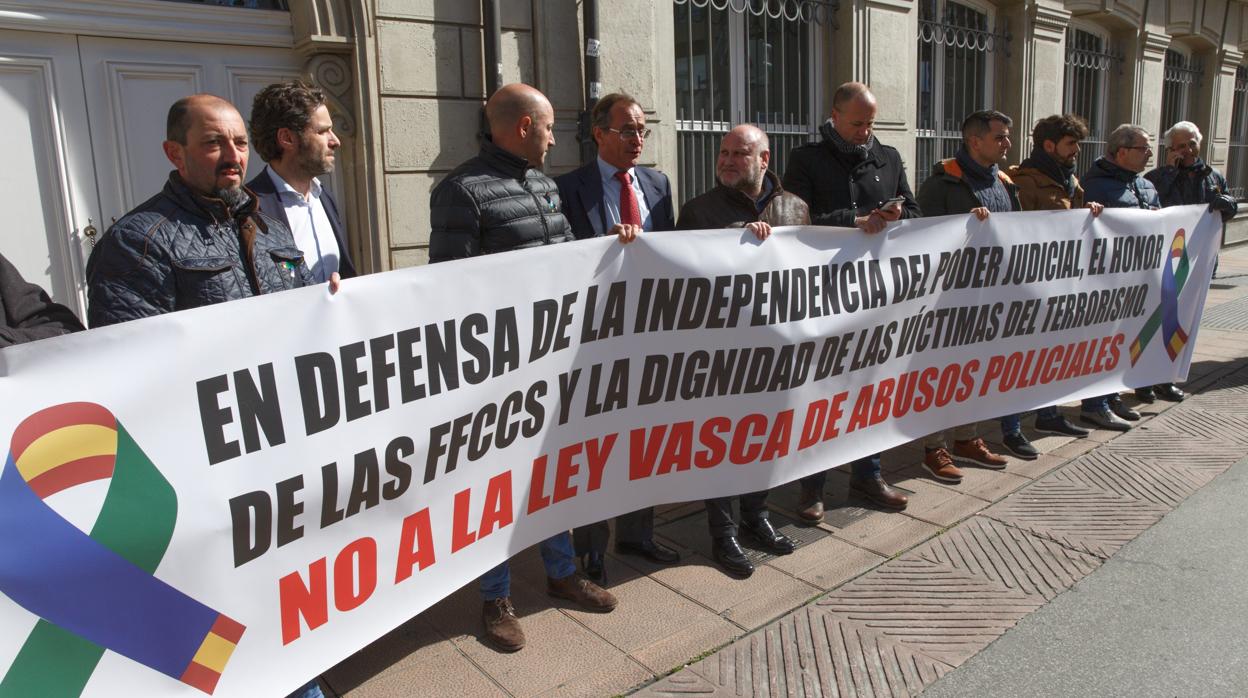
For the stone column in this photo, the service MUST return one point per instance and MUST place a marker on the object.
(1035, 70)
(876, 42)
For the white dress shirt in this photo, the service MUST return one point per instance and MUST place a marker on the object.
(310, 225)
(611, 199)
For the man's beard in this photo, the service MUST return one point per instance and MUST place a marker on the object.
(749, 181)
(234, 197)
(313, 165)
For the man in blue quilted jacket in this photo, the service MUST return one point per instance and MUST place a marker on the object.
(202, 239)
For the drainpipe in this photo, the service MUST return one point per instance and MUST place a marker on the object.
(593, 82)
(492, 40)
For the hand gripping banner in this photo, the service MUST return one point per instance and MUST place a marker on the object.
(96, 592)
(1173, 277)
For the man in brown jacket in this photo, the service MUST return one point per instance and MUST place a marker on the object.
(749, 195)
(1046, 181)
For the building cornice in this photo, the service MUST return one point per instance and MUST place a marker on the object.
(150, 19)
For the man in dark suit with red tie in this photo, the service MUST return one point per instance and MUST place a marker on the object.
(613, 195)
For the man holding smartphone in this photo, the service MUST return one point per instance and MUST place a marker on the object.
(851, 180)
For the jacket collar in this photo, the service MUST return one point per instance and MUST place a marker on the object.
(511, 164)
(207, 206)
(743, 199)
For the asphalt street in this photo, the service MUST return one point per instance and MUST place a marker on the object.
(1166, 616)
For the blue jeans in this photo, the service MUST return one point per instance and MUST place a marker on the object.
(557, 556)
(1013, 423)
(312, 689)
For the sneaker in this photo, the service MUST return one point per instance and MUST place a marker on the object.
(1105, 420)
(975, 452)
(1118, 407)
(940, 464)
(502, 627)
(584, 593)
(1061, 426)
(1020, 446)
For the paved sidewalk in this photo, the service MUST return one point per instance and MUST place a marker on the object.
(872, 603)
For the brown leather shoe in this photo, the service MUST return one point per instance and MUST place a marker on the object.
(975, 452)
(582, 592)
(810, 506)
(940, 464)
(502, 627)
(878, 491)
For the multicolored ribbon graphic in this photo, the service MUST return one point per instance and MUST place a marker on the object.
(96, 592)
(1166, 316)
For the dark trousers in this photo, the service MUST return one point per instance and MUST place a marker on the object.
(635, 527)
(719, 513)
(867, 466)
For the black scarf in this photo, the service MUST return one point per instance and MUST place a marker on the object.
(1059, 173)
(985, 182)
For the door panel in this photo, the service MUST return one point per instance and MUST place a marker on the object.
(130, 85)
(47, 187)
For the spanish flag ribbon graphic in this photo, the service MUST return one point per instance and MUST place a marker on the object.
(96, 592)
(1166, 316)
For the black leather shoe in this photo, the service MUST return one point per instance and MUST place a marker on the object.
(768, 537)
(654, 552)
(594, 566)
(728, 553)
(1145, 395)
(1118, 407)
(1169, 392)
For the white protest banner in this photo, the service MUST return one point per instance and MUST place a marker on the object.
(231, 499)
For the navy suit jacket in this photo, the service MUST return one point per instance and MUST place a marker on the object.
(271, 205)
(581, 192)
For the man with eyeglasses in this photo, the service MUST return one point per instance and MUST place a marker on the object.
(615, 196)
(1114, 181)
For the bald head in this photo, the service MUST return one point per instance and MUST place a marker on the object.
(207, 143)
(521, 122)
(181, 114)
(853, 113)
(744, 154)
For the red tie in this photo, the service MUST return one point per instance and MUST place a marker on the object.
(630, 213)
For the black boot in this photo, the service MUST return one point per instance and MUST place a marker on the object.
(727, 552)
(767, 536)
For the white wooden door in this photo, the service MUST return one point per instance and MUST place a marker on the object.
(130, 85)
(47, 186)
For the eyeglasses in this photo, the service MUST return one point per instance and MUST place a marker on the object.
(629, 134)
(1139, 147)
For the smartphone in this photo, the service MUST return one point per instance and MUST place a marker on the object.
(894, 202)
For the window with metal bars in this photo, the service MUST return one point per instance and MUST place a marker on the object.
(743, 61)
(1090, 66)
(956, 47)
(1181, 80)
(1237, 159)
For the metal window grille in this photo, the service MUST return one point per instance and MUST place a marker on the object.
(250, 4)
(1090, 65)
(955, 76)
(1237, 160)
(741, 61)
(1178, 91)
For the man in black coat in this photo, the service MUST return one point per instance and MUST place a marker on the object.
(849, 179)
(26, 312)
(498, 201)
(292, 131)
(849, 176)
(613, 195)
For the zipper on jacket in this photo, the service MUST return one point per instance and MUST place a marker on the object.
(541, 211)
